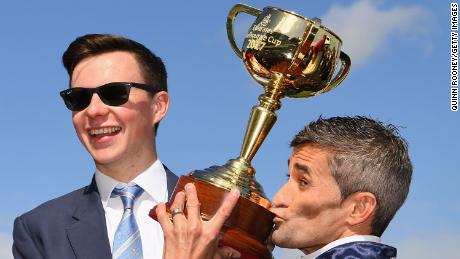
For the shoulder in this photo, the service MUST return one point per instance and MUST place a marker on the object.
(360, 249)
(43, 231)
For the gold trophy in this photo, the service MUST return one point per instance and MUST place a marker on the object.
(289, 55)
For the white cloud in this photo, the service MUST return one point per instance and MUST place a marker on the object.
(5, 246)
(429, 246)
(365, 28)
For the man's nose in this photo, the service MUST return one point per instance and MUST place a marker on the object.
(96, 107)
(280, 199)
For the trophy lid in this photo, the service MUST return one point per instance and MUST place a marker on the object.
(313, 20)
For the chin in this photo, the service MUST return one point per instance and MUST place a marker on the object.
(279, 238)
(104, 157)
(284, 238)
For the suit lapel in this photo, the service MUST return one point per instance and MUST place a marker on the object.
(88, 235)
(171, 180)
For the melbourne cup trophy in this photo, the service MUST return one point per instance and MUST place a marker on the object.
(289, 55)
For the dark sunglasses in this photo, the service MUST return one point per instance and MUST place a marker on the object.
(113, 94)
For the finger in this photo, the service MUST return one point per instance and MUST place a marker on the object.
(227, 252)
(179, 220)
(179, 201)
(225, 210)
(163, 218)
(193, 204)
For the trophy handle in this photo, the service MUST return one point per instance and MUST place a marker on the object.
(344, 69)
(236, 9)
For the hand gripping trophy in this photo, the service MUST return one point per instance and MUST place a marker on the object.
(289, 55)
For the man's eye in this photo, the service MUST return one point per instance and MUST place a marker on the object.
(303, 182)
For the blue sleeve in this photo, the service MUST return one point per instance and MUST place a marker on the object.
(25, 246)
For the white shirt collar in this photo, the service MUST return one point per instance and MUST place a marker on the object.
(152, 180)
(341, 241)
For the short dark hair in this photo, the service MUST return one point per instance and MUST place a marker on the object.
(366, 156)
(152, 68)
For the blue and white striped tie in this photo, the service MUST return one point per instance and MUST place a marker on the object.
(127, 241)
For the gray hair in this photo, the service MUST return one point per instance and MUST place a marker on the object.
(366, 156)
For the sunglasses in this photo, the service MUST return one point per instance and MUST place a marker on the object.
(113, 94)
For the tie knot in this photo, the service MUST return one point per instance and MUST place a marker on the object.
(128, 194)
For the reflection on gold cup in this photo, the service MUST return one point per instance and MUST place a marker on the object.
(289, 55)
(284, 46)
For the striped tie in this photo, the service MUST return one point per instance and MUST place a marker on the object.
(127, 241)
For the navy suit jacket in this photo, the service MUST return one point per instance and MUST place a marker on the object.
(71, 226)
(360, 250)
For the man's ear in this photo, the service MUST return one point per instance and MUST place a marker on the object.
(160, 106)
(362, 208)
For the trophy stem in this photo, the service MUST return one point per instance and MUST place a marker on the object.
(262, 117)
(238, 173)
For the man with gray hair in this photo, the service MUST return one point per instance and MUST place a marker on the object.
(348, 176)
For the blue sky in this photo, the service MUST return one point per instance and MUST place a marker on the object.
(400, 75)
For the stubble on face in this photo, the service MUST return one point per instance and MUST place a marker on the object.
(309, 204)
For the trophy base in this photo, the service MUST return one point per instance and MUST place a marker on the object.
(247, 228)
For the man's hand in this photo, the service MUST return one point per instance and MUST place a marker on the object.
(190, 237)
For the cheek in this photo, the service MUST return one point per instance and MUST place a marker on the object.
(307, 207)
(78, 122)
(314, 206)
(138, 120)
(79, 126)
(309, 211)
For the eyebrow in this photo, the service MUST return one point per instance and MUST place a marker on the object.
(302, 168)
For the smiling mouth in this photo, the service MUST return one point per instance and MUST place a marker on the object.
(104, 131)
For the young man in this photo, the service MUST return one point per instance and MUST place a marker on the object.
(117, 95)
(348, 176)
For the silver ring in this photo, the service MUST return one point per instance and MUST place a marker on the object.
(176, 211)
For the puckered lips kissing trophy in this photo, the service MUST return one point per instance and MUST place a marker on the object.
(289, 55)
